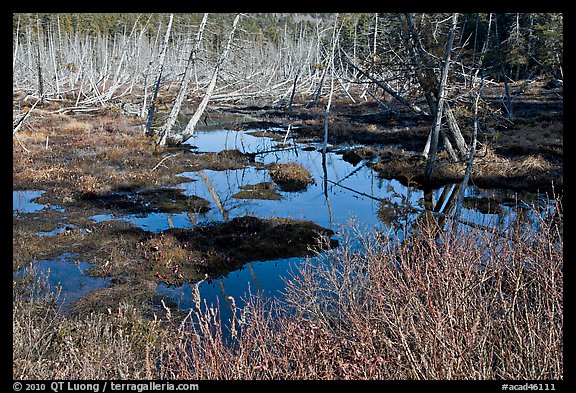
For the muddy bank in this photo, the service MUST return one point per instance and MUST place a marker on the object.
(120, 248)
(100, 158)
(139, 260)
(95, 169)
(523, 151)
(176, 255)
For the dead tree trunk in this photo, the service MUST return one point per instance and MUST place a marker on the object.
(291, 100)
(39, 63)
(331, 65)
(472, 153)
(117, 81)
(455, 132)
(386, 87)
(431, 88)
(16, 36)
(171, 119)
(52, 52)
(188, 132)
(146, 76)
(312, 101)
(424, 72)
(441, 97)
(152, 107)
(20, 121)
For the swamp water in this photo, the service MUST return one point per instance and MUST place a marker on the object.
(352, 193)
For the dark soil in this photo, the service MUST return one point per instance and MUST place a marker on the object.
(264, 190)
(217, 248)
(101, 163)
(165, 200)
(521, 152)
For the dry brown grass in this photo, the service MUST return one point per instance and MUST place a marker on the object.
(83, 154)
(99, 346)
(76, 125)
(466, 305)
(469, 304)
(490, 170)
(290, 176)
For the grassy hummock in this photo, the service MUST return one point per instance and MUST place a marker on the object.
(263, 190)
(216, 248)
(290, 176)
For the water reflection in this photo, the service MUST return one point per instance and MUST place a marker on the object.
(22, 201)
(69, 275)
(343, 191)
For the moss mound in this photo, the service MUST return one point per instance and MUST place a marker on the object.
(290, 176)
(177, 255)
(263, 190)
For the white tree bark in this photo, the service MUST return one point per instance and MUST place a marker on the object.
(331, 66)
(146, 75)
(152, 107)
(171, 119)
(16, 45)
(117, 80)
(441, 97)
(39, 62)
(188, 132)
(472, 151)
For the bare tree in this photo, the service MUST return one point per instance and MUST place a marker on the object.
(146, 76)
(152, 107)
(441, 97)
(385, 86)
(472, 148)
(16, 44)
(424, 72)
(171, 119)
(330, 66)
(188, 132)
(39, 62)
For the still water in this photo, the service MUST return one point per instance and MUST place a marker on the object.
(343, 193)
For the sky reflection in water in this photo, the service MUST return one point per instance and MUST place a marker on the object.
(334, 209)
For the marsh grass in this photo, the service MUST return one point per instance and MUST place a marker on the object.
(263, 190)
(489, 170)
(466, 304)
(290, 176)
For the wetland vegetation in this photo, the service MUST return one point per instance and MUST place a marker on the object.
(288, 196)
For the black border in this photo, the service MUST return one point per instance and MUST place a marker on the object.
(444, 385)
